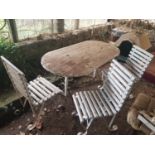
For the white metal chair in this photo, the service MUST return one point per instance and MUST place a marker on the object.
(138, 61)
(106, 100)
(36, 92)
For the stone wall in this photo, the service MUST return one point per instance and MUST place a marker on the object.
(42, 44)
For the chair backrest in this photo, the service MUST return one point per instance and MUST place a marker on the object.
(139, 60)
(118, 84)
(16, 76)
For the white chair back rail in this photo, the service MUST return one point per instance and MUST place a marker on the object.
(108, 99)
(138, 61)
(16, 76)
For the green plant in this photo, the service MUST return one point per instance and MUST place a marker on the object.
(7, 49)
(30, 66)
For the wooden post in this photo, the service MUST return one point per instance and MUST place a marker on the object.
(13, 29)
(52, 26)
(76, 24)
(60, 25)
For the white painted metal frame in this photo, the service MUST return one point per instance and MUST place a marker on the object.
(106, 100)
(138, 61)
(146, 120)
(36, 92)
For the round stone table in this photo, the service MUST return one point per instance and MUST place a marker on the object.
(79, 59)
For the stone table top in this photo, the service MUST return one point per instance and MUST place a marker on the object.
(79, 59)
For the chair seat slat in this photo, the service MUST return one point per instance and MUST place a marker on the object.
(91, 104)
(99, 103)
(117, 102)
(140, 54)
(112, 88)
(78, 108)
(103, 102)
(49, 85)
(39, 89)
(97, 108)
(36, 92)
(43, 87)
(107, 101)
(143, 51)
(127, 78)
(82, 106)
(85, 103)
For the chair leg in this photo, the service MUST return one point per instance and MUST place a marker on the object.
(32, 108)
(25, 101)
(111, 126)
(24, 104)
(89, 122)
(94, 73)
(66, 86)
(38, 117)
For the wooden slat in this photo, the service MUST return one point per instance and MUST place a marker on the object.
(83, 109)
(85, 103)
(123, 89)
(134, 54)
(42, 86)
(91, 104)
(114, 101)
(36, 98)
(136, 65)
(144, 64)
(146, 122)
(119, 96)
(132, 70)
(95, 104)
(119, 78)
(49, 85)
(103, 102)
(39, 89)
(78, 109)
(107, 102)
(141, 54)
(135, 69)
(37, 93)
(123, 69)
(99, 103)
(121, 73)
(143, 51)
(116, 86)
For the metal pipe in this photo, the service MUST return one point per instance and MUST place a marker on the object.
(66, 85)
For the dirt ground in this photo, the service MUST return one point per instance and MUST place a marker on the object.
(58, 118)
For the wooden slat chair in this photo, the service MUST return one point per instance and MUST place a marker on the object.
(36, 92)
(138, 61)
(106, 100)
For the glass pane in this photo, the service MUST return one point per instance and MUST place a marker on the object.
(69, 24)
(90, 22)
(4, 30)
(28, 28)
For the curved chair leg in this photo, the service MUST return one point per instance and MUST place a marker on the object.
(89, 122)
(111, 126)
